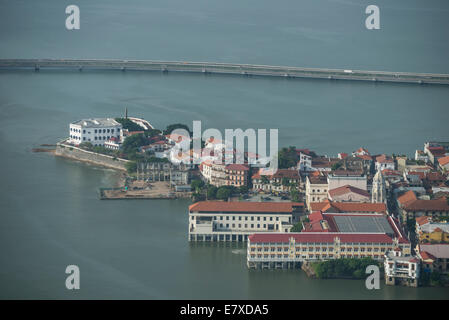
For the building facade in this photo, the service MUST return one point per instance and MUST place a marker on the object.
(289, 250)
(401, 269)
(342, 178)
(96, 131)
(281, 181)
(235, 221)
(316, 189)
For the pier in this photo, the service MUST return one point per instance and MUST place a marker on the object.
(224, 68)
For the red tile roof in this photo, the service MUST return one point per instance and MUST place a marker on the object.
(389, 172)
(237, 207)
(428, 205)
(347, 189)
(407, 197)
(320, 237)
(280, 173)
(435, 176)
(426, 256)
(237, 167)
(364, 157)
(443, 161)
(384, 159)
(349, 207)
(422, 220)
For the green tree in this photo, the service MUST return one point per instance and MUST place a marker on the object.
(132, 143)
(243, 189)
(287, 157)
(152, 133)
(223, 193)
(297, 227)
(336, 166)
(129, 125)
(131, 167)
(197, 185)
(294, 195)
(175, 126)
(211, 192)
(285, 182)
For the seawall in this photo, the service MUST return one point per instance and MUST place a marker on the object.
(71, 152)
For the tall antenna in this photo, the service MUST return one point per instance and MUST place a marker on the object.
(126, 113)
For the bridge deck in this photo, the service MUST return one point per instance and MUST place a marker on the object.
(225, 68)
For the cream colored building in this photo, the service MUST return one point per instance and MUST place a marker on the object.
(235, 221)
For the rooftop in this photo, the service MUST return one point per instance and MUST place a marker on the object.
(280, 173)
(347, 189)
(328, 206)
(244, 207)
(319, 237)
(437, 250)
(443, 161)
(96, 122)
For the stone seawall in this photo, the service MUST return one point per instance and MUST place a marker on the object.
(71, 152)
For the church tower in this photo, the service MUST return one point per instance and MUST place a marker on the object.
(378, 192)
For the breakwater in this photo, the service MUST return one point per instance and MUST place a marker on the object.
(225, 68)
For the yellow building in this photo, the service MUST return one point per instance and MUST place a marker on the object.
(431, 232)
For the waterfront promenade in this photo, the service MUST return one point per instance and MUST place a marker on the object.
(225, 68)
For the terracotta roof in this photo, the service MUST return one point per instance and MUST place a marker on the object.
(439, 251)
(427, 205)
(347, 189)
(422, 220)
(407, 197)
(320, 237)
(443, 161)
(364, 157)
(324, 162)
(360, 207)
(426, 256)
(389, 172)
(384, 159)
(237, 167)
(435, 176)
(243, 207)
(280, 173)
(359, 150)
(317, 179)
(420, 174)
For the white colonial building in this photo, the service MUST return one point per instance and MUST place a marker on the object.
(235, 221)
(96, 131)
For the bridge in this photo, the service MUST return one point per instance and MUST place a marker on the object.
(224, 68)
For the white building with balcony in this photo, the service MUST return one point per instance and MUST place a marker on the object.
(401, 269)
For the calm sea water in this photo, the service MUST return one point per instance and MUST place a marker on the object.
(49, 209)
